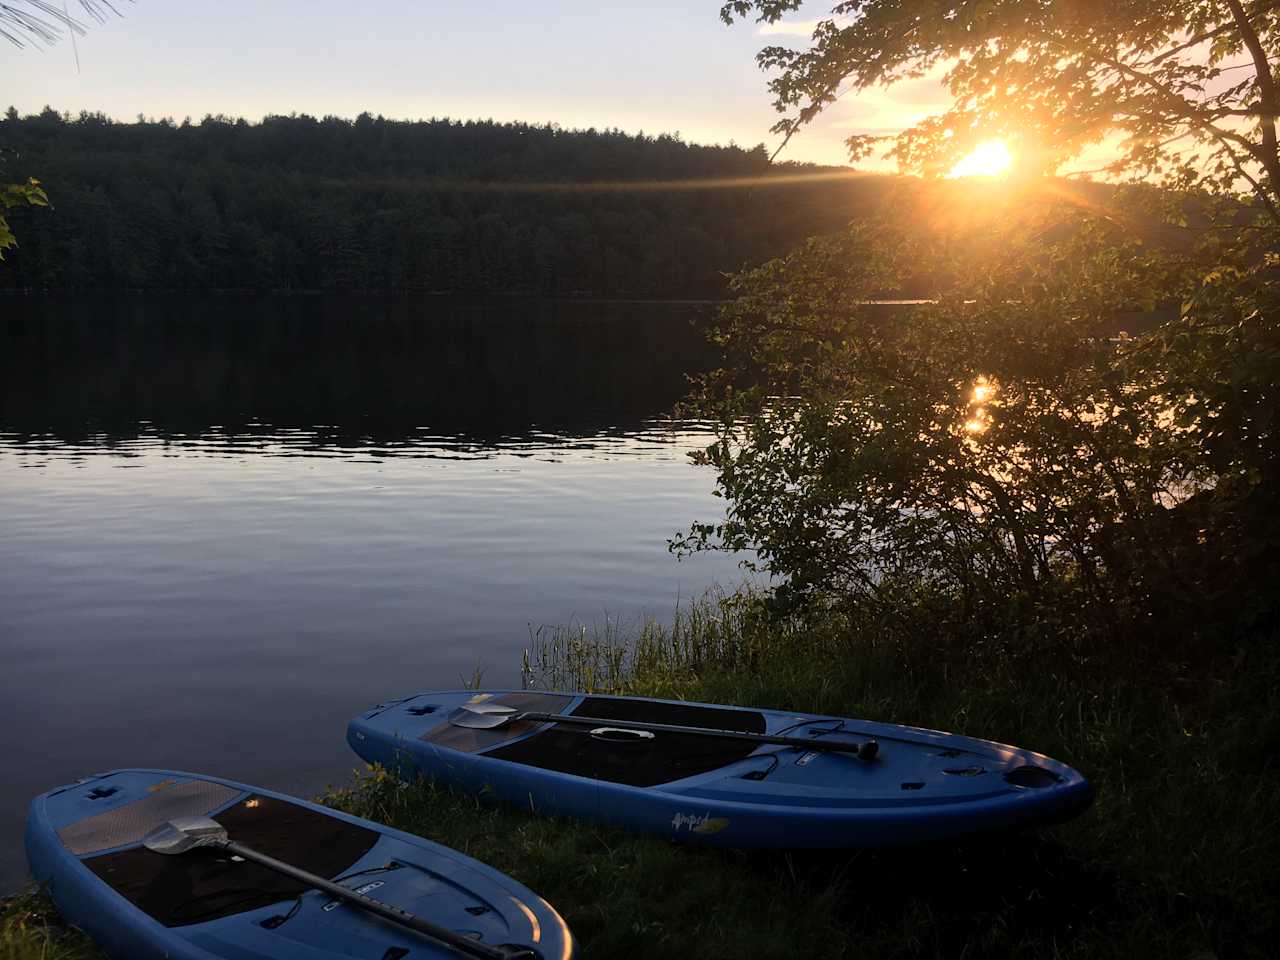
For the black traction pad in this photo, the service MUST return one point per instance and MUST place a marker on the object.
(207, 884)
(640, 763)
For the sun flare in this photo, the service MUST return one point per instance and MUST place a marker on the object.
(991, 158)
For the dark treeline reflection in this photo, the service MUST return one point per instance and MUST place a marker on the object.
(344, 369)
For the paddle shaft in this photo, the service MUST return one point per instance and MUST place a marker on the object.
(448, 937)
(797, 742)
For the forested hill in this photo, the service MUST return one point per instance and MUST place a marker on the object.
(296, 203)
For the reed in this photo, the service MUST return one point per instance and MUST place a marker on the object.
(30, 929)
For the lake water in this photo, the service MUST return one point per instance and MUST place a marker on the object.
(227, 525)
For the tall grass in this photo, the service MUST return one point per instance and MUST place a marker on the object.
(1186, 827)
(605, 657)
(30, 929)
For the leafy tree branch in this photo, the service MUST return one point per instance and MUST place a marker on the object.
(1004, 451)
(15, 195)
(1055, 77)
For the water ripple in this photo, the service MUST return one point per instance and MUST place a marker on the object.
(653, 437)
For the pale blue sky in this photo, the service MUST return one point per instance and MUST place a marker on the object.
(660, 66)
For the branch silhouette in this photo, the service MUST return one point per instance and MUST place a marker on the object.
(33, 22)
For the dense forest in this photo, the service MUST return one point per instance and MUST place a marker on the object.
(298, 203)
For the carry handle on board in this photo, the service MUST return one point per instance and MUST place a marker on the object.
(490, 716)
(191, 833)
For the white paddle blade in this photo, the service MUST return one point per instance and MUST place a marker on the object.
(183, 834)
(481, 716)
(496, 709)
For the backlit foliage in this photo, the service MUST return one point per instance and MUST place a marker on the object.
(1119, 471)
(1182, 90)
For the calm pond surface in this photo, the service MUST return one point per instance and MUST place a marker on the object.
(229, 524)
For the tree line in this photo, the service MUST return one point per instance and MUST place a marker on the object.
(300, 203)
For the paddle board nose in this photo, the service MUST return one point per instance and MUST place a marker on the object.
(107, 811)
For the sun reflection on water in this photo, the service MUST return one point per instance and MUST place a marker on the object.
(982, 393)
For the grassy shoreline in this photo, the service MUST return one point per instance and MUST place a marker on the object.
(1176, 858)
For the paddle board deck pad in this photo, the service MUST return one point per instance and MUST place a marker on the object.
(84, 846)
(921, 786)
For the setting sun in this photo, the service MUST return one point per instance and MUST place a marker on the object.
(991, 158)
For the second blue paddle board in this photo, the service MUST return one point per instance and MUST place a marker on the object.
(921, 785)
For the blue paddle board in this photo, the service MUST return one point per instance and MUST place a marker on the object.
(920, 786)
(84, 846)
